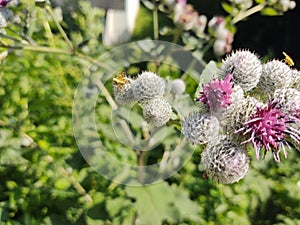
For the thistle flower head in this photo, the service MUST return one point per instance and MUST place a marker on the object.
(239, 113)
(224, 161)
(200, 128)
(122, 89)
(275, 74)
(245, 67)
(268, 128)
(148, 85)
(289, 99)
(157, 111)
(217, 93)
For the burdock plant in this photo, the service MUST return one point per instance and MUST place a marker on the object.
(236, 98)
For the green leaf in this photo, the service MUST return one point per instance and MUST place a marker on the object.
(152, 202)
(160, 202)
(210, 72)
(185, 206)
(269, 12)
(227, 7)
(62, 184)
(115, 206)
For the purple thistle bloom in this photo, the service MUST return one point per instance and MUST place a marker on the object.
(217, 93)
(268, 128)
(4, 2)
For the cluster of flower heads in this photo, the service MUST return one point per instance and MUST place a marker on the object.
(188, 19)
(148, 90)
(251, 104)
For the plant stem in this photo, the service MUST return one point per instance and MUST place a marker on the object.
(61, 30)
(76, 185)
(244, 14)
(155, 20)
(142, 157)
(9, 37)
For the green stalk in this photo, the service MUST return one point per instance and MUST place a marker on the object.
(61, 30)
(244, 14)
(155, 20)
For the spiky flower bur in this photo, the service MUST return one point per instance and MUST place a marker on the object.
(268, 129)
(245, 67)
(224, 161)
(276, 74)
(148, 85)
(237, 97)
(289, 99)
(157, 111)
(296, 128)
(177, 86)
(239, 113)
(217, 94)
(296, 78)
(6, 15)
(122, 89)
(200, 128)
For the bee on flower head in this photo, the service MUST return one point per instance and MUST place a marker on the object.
(288, 60)
(120, 80)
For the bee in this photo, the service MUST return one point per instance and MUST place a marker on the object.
(120, 80)
(288, 60)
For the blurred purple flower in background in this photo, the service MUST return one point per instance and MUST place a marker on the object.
(4, 2)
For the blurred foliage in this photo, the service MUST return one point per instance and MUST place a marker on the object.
(44, 178)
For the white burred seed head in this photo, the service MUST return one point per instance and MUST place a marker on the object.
(123, 93)
(157, 111)
(275, 75)
(245, 66)
(289, 99)
(225, 162)
(200, 128)
(148, 85)
(239, 113)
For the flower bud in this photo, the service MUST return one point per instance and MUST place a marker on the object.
(200, 128)
(177, 86)
(245, 67)
(148, 85)
(157, 111)
(224, 161)
(275, 75)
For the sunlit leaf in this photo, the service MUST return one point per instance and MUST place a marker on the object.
(269, 12)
